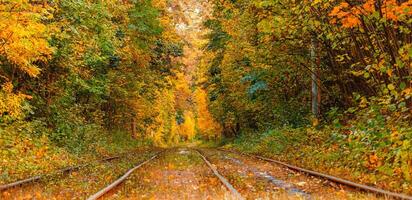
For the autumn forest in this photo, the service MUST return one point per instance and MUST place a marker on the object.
(325, 85)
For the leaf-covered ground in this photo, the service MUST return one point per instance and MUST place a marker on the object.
(181, 173)
(78, 184)
(176, 174)
(256, 179)
(25, 156)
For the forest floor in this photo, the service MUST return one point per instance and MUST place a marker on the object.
(181, 173)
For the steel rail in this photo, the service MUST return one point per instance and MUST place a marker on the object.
(120, 180)
(60, 171)
(221, 178)
(329, 177)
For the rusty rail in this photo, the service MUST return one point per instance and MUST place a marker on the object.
(120, 180)
(225, 182)
(329, 177)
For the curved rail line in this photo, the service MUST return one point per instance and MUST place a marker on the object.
(60, 171)
(120, 180)
(329, 177)
(221, 178)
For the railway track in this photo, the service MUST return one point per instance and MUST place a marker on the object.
(225, 182)
(17, 186)
(334, 179)
(76, 181)
(123, 178)
(120, 180)
(215, 162)
(235, 194)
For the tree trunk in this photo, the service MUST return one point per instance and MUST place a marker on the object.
(316, 98)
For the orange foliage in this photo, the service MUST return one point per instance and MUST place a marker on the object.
(350, 16)
(350, 22)
(369, 6)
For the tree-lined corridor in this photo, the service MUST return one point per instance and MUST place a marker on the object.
(323, 85)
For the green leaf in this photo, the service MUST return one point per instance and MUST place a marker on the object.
(402, 105)
(402, 85)
(410, 52)
(392, 107)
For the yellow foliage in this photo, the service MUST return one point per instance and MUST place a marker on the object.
(187, 129)
(163, 122)
(205, 121)
(23, 38)
(182, 92)
(11, 103)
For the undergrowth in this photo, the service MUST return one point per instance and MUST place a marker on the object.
(365, 152)
(27, 150)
